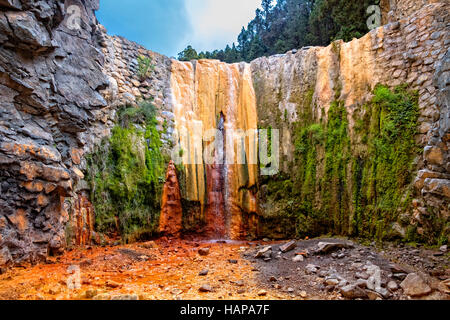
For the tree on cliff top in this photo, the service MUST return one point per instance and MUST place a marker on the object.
(292, 24)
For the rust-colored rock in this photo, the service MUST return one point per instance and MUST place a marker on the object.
(208, 95)
(170, 222)
(19, 220)
(83, 219)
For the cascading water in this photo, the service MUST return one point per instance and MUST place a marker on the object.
(215, 172)
(213, 98)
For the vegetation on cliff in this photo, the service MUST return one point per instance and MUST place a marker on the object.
(292, 24)
(352, 183)
(126, 174)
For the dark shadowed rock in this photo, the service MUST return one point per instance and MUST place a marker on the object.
(328, 247)
(205, 288)
(203, 251)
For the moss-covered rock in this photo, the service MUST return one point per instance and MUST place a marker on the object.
(126, 174)
(349, 181)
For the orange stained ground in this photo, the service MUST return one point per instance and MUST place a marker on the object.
(156, 270)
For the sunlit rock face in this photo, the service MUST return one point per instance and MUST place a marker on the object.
(211, 100)
(170, 222)
(297, 89)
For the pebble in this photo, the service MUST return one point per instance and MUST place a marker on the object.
(205, 288)
(204, 272)
(262, 293)
(203, 251)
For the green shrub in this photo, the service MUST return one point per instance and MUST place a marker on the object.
(126, 174)
(145, 67)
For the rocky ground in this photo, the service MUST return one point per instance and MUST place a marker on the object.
(186, 269)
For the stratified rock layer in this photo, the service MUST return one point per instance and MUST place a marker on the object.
(51, 79)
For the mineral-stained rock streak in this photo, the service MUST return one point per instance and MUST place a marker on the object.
(170, 222)
(209, 95)
(84, 220)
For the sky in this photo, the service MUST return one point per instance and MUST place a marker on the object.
(169, 26)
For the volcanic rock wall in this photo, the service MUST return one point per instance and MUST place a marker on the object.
(304, 83)
(50, 81)
(393, 10)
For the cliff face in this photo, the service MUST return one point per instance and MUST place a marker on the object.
(50, 81)
(393, 10)
(61, 85)
(296, 91)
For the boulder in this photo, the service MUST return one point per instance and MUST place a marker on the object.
(203, 251)
(264, 253)
(415, 286)
(353, 291)
(288, 246)
(328, 247)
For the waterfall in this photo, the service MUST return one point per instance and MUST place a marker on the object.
(216, 122)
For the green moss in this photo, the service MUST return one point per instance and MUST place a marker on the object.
(385, 172)
(126, 174)
(352, 185)
(335, 199)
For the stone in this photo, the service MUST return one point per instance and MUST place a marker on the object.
(266, 251)
(19, 220)
(434, 155)
(262, 293)
(392, 286)
(204, 272)
(439, 187)
(5, 257)
(298, 258)
(311, 269)
(374, 295)
(361, 283)
(91, 293)
(332, 282)
(288, 246)
(328, 247)
(28, 30)
(239, 283)
(125, 297)
(415, 286)
(443, 248)
(13, 4)
(353, 292)
(112, 284)
(203, 251)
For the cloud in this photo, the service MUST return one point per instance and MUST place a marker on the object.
(169, 26)
(159, 25)
(216, 23)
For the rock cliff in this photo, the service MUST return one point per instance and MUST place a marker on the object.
(62, 81)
